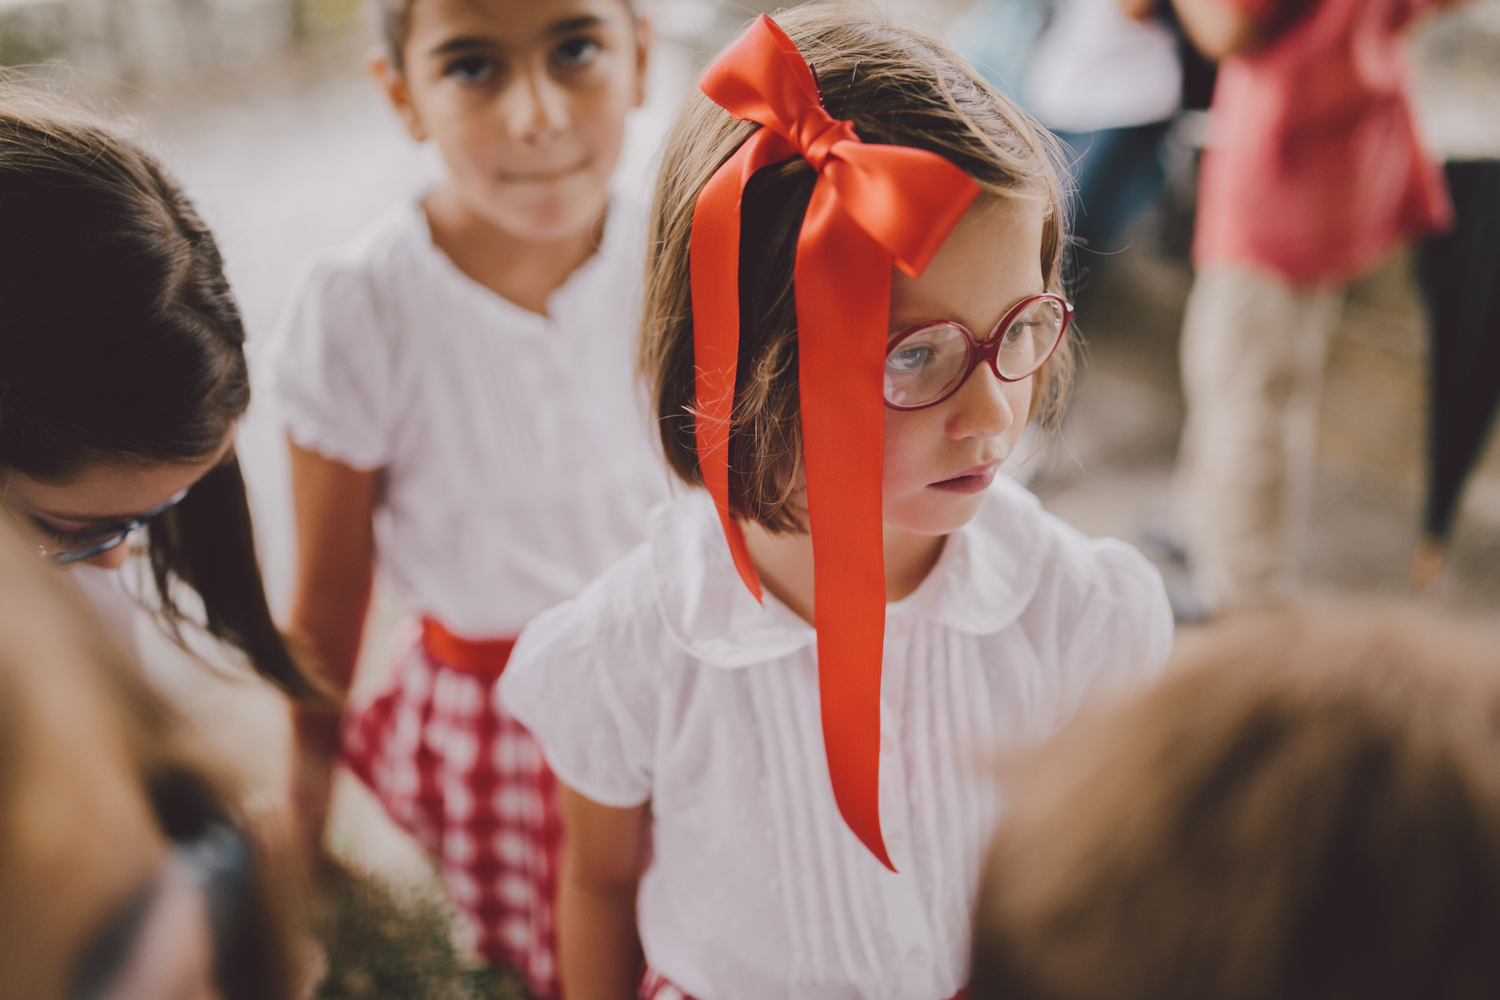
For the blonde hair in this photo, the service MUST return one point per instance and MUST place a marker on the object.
(899, 86)
(1308, 806)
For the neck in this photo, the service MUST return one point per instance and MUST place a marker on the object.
(785, 564)
(524, 272)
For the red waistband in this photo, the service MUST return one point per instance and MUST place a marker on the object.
(482, 657)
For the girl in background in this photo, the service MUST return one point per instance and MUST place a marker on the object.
(760, 807)
(457, 386)
(123, 370)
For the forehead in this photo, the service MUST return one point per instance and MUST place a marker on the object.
(513, 23)
(109, 492)
(990, 261)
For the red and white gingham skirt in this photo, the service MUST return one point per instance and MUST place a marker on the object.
(469, 782)
(655, 986)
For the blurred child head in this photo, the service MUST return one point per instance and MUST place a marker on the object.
(1308, 806)
(899, 87)
(123, 873)
(525, 99)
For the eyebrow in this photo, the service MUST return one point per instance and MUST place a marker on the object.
(470, 43)
(898, 327)
(465, 43)
(568, 25)
(86, 518)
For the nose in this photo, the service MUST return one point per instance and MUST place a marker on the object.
(981, 408)
(534, 107)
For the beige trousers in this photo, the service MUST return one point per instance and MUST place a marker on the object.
(1253, 353)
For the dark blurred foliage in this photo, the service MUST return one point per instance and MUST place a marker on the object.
(382, 944)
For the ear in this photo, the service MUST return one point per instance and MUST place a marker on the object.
(642, 57)
(393, 81)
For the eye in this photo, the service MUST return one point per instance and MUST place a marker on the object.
(909, 358)
(1020, 329)
(578, 52)
(72, 531)
(471, 69)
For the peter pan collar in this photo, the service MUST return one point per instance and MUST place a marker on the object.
(987, 574)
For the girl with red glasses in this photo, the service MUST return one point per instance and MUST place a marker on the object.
(770, 720)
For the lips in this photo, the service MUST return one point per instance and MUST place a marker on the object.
(541, 176)
(974, 479)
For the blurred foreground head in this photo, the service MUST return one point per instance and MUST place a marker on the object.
(123, 874)
(1308, 806)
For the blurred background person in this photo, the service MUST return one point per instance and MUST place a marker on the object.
(1312, 174)
(458, 390)
(125, 872)
(123, 365)
(1460, 276)
(1308, 806)
(1106, 83)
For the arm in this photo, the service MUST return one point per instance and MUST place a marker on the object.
(1218, 28)
(335, 569)
(604, 855)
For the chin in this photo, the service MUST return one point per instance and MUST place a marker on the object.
(549, 218)
(935, 515)
(545, 224)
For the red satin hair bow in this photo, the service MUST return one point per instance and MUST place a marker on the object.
(872, 206)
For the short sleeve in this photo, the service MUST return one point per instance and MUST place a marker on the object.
(331, 366)
(585, 694)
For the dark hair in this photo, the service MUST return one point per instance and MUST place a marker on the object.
(1308, 807)
(51, 650)
(121, 342)
(900, 87)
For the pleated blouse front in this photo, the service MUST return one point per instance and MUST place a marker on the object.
(666, 682)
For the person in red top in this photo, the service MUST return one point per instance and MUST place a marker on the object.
(1313, 172)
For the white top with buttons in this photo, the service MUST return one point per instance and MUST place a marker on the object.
(519, 459)
(665, 681)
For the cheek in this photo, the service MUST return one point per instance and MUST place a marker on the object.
(1018, 396)
(465, 133)
(113, 559)
(910, 439)
(598, 119)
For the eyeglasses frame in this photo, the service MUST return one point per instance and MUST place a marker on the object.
(988, 349)
(118, 535)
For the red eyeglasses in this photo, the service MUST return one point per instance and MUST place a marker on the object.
(926, 363)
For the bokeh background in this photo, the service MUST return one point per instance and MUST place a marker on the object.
(264, 111)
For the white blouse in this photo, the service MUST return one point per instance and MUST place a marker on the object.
(1096, 68)
(665, 681)
(518, 457)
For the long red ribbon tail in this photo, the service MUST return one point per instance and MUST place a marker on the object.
(714, 261)
(843, 293)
